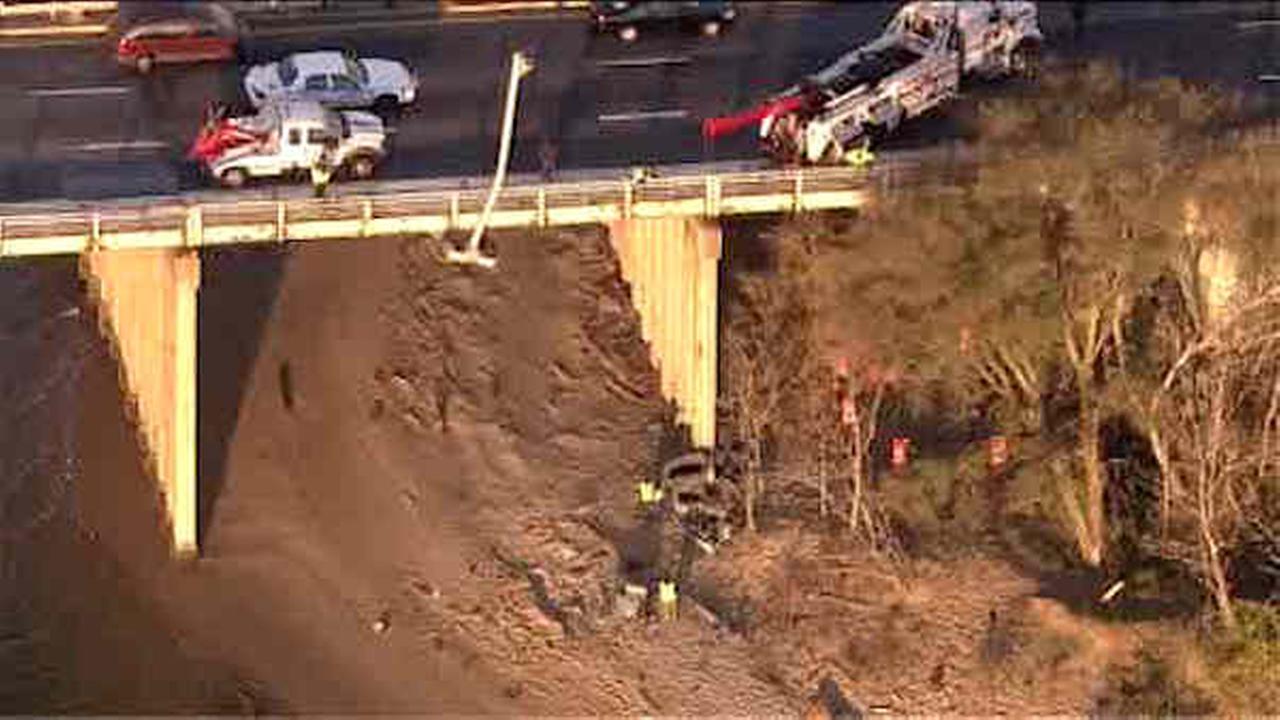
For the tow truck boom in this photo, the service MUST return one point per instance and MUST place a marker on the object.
(915, 65)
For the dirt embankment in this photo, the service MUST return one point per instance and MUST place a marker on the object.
(423, 499)
(392, 429)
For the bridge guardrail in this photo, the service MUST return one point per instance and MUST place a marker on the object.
(404, 208)
(68, 17)
(186, 223)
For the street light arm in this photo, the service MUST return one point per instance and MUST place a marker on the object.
(519, 68)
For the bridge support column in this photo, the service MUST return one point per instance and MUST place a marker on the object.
(147, 309)
(673, 268)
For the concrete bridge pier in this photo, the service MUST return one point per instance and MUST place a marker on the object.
(673, 267)
(147, 309)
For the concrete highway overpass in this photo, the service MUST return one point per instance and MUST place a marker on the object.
(142, 261)
(80, 128)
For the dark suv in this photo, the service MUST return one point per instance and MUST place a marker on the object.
(626, 19)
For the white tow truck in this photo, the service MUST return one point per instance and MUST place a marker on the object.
(914, 66)
(288, 138)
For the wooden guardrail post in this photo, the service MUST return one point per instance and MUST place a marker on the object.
(455, 211)
(542, 207)
(366, 216)
(194, 235)
(797, 193)
(281, 232)
(628, 192)
(95, 229)
(711, 206)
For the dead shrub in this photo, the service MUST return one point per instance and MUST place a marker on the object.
(1152, 688)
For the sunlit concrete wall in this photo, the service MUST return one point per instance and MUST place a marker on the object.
(672, 266)
(147, 301)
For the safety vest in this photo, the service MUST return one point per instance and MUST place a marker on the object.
(860, 156)
(649, 493)
(321, 172)
(666, 593)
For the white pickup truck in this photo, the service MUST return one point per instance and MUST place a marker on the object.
(288, 138)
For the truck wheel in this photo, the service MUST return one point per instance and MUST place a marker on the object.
(145, 64)
(386, 106)
(362, 168)
(628, 33)
(235, 178)
(1024, 61)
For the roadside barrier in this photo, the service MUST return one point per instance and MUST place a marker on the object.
(173, 223)
(42, 19)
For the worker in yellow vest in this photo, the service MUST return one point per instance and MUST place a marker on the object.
(649, 493)
(322, 168)
(861, 156)
(667, 600)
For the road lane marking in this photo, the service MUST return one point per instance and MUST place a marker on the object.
(1269, 78)
(47, 30)
(77, 91)
(1251, 24)
(397, 24)
(525, 5)
(645, 62)
(646, 115)
(120, 145)
(51, 10)
(36, 43)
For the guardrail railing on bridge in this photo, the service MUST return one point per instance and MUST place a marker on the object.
(179, 224)
(69, 17)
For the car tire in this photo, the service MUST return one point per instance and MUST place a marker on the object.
(234, 178)
(145, 64)
(710, 28)
(362, 167)
(628, 33)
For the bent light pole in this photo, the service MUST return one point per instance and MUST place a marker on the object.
(520, 66)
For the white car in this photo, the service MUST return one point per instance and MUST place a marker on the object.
(333, 79)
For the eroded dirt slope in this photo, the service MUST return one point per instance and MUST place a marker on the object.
(424, 504)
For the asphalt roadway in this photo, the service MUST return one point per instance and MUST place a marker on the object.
(79, 127)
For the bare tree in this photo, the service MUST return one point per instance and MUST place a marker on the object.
(1213, 417)
(1212, 398)
(1105, 166)
(767, 356)
(861, 402)
(750, 406)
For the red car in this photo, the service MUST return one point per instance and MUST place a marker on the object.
(201, 33)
